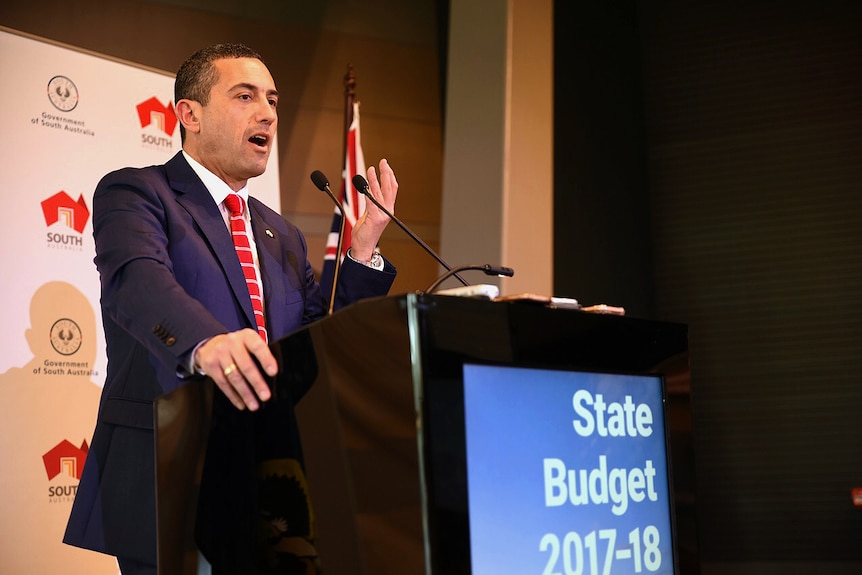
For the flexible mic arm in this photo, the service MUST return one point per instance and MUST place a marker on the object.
(362, 187)
(322, 184)
(488, 269)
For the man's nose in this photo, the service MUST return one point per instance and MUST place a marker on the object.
(267, 112)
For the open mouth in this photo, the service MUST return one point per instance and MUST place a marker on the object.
(259, 141)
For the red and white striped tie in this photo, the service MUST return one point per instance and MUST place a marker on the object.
(236, 206)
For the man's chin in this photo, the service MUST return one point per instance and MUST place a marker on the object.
(256, 170)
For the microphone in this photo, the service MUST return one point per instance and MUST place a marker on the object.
(322, 184)
(361, 185)
(489, 270)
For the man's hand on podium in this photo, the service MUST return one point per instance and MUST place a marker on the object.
(229, 359)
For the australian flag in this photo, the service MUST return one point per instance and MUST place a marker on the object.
(353, 202)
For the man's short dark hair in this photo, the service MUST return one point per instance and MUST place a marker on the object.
(198, 74)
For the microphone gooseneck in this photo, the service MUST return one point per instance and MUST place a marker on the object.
(361, 185)
(489, 270)
(322, 183)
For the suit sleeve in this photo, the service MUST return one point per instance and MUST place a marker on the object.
(357, 281)
(140, 291)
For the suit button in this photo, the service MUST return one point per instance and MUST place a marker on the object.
(171, 340)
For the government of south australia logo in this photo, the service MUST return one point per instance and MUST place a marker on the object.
(61, 210)
(66, 459)
(64, 463)
(66, 336)
(159, 121)
(63, 93)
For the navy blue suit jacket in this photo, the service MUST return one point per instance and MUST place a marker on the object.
(170, 279)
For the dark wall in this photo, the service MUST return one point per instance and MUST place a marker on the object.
(601, 206)
(747, 118)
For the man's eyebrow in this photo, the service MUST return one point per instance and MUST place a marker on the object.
(253, 88)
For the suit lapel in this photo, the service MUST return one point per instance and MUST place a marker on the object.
(270, 257)
(197, 201)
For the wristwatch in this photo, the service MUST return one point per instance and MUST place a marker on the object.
(376, 262)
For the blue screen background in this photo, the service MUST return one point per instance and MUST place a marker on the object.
(514, 419)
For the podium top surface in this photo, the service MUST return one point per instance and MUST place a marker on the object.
(518, 331)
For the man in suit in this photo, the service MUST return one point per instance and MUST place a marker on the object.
(175, 300)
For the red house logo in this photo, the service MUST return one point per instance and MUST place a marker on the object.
(154, 112)
(61, 207)
(65, 458)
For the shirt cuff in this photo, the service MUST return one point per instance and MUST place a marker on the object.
(190, 364)
(376, 262)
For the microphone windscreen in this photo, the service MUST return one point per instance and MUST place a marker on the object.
(319, 180)
(360, 183)
(501, 271)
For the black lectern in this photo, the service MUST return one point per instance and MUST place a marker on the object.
(440, 434)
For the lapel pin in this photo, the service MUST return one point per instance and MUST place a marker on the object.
(269, 233)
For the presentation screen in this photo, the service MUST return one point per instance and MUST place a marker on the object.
(548, 471)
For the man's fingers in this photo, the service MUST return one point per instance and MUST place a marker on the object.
(372, 177)
(229, 359)
(249, 382)
(388, 185)
(260, 350)
(383, 187)
(225, 386)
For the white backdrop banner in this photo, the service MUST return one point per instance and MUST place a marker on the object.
(67, 117)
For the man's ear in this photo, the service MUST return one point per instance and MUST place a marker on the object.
(189, 113)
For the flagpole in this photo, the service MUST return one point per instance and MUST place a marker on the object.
(341, 216)
(349, 98)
